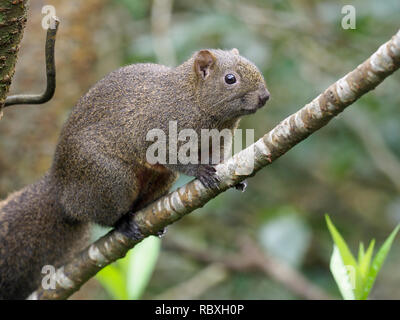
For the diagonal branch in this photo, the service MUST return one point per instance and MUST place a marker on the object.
(193, 195)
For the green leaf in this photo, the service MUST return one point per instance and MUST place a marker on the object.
(362, 271)
(142, 260)
(378, 262)
(366, 260)
(341, 275)
(123, 264)
(113, 280)
(360, 252)
(347, 256)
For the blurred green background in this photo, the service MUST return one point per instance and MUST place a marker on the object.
(349, 169)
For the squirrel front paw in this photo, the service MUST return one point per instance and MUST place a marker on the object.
(207, 176)
(128, 227)
(162, 232)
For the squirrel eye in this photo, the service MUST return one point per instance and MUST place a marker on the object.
(230, 78)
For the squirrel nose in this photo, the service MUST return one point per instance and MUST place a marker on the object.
(263, 98)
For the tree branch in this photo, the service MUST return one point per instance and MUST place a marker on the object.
(193, 195)
(251, 257)
(12, 24)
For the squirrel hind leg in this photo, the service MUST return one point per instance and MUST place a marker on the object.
(154, 183)
(100, 204)
(103, 196)
(127, 226)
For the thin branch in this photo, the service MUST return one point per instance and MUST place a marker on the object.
(193, 288)
(383, 158)
(193, 195)
(161, 16)
(50, 72)
(252, 258)
(381, 155)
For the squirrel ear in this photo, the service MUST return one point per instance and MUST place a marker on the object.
(235, 51)
(203, 63)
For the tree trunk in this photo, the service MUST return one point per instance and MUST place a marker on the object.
(12, 24)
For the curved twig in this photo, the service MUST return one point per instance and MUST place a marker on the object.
(50, 72)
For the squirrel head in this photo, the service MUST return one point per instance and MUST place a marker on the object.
(228, 85)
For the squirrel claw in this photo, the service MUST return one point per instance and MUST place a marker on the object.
(207, 176)
(161, 233)
(241, 186)
(128, 227)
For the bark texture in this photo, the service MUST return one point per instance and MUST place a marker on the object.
(12, 24)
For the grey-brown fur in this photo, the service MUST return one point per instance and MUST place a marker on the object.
(100, 172)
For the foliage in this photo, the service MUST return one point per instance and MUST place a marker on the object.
(127, 278)
(355, 278)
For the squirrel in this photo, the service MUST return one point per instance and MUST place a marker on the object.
(99, 172)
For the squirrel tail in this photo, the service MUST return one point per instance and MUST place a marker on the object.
(34, 233)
